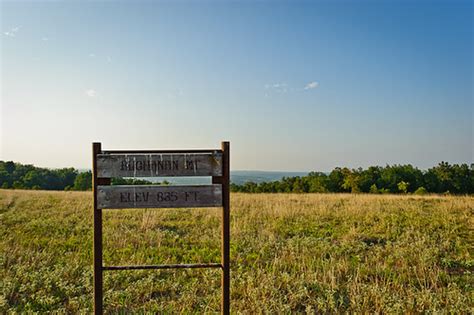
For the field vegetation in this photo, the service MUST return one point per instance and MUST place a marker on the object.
(289, 252)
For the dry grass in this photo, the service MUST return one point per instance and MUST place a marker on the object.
(290, 253)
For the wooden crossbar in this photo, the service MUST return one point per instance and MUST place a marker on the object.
(171, 266)
(159, 151)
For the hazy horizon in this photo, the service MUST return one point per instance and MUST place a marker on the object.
(293, 86)
(82, 169)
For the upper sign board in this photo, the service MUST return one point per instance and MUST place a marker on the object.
(157, 165)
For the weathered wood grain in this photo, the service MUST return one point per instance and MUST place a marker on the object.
(154, 196)
(157, 165)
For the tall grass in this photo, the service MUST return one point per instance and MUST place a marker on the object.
(289, 253)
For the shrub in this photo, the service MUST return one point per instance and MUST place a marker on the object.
(421, 191)
(374, 189)
(403, 186)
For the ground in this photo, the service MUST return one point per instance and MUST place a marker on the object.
(289, 253)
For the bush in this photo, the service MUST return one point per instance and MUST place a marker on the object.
(421, 191)
(374, 189)
(403, 186)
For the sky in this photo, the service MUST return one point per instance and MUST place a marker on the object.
(294, 86)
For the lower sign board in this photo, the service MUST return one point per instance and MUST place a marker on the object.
(154, 196)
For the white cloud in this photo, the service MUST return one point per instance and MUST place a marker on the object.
(44, 39)
(277, 87)
(91, 93)
(12, 32)
(109, 59)
(311, 85)
(92, 55)
(285, 88)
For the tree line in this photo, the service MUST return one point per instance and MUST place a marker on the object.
(443, 178)
(394, 179)
(20, 176)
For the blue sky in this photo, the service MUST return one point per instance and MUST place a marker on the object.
(293, 85)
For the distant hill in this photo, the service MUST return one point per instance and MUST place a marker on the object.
(236, 177)
(241, 177)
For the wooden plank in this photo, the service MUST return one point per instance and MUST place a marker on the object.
(158, 165)
(154, 196)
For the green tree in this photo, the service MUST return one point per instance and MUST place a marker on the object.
(403, 187)
(5, 178)
(352, 181)
(336, 180)
(83, 181)
(374, 189)
(317, 182)
(10, 167)
(370, 177)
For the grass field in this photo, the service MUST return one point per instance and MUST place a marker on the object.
(290, 253)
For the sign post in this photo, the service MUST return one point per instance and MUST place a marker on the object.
(160, 163)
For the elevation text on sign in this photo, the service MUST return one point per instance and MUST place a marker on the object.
(154, 196)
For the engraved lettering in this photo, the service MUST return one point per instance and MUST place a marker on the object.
(123, 166)
(174, 196)
(120, 197)
(191, 195)
(146, 165)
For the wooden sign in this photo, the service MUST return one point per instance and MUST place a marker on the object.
(109, 164)
(158, 165)
(149, 196)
